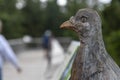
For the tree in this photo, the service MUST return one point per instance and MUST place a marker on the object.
(33, 18)
(11, 19)
(53, 17)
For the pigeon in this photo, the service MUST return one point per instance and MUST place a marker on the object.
(92, 61)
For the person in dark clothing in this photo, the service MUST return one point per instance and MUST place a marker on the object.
(47, 45)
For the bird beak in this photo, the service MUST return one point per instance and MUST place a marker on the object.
(67, 24)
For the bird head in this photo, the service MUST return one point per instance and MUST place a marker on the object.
(86, 23)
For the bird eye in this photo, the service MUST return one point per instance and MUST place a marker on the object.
(83, 19)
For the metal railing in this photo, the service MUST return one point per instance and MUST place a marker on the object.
(35, 43)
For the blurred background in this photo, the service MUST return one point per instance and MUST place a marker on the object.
(25, 21)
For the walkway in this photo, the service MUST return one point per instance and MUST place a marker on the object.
(33, 64)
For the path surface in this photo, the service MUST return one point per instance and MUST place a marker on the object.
(34, 66)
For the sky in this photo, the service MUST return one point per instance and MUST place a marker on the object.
(60, 2)
(105, 1)
(63, 2)
(21, 3)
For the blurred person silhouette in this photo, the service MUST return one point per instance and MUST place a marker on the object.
(6, 53)
(54, 53)
(47, 37)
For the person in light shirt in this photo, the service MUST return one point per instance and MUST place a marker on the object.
(7, 53)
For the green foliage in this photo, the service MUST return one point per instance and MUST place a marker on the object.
(74, 5)
(111, 16)
(113, 45)
(33, 23)
(53, 17)
(11, 19)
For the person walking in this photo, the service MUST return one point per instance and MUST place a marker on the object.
(47, 45)
(7, 53)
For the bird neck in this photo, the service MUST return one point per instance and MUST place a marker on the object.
(92, 40)
(84, 40)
